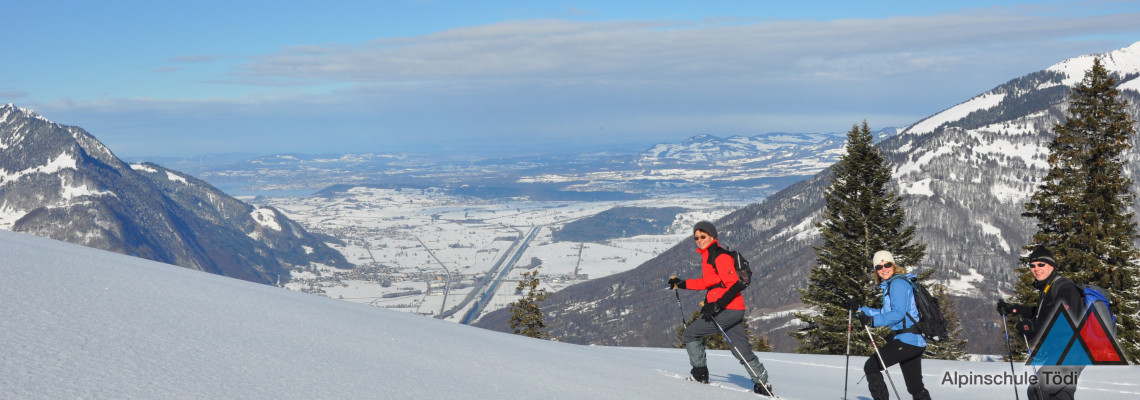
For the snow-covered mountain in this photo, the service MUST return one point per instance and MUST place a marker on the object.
(85, 323)
(965, 174)
(59, 182)
(786, 153)
(742, 149)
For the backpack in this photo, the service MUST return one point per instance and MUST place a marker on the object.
(1096, 299)
(743, 270)
(931, 322)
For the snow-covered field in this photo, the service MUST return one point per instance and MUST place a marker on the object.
(408, 245)
(80, 323)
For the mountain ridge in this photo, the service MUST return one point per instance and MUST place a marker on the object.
(60, 182)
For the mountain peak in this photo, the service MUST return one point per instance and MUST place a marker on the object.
(1123, 61)
(7, 111)
(702, 138)
(60, 182)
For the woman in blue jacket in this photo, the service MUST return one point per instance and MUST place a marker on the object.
(900, 313)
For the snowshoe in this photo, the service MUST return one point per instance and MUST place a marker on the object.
(763, 389)
(700, 374)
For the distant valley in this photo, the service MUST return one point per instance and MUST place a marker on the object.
(438, 237)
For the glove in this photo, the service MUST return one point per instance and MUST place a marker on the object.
(852, 304)
(1024, 328)
(1003, 308)
(710, 309)
(1015, 310)
(676, 283)
(865, 319)
(722, 303)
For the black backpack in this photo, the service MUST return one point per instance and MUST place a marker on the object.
(931, 322)
(743, 270)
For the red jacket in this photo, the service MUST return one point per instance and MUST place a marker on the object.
(718, 279)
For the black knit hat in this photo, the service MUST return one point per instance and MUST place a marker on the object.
(706, 227)
(1041, 254)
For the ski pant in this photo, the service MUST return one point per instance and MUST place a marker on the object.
(909, 359)
(730, 321)
(1055, 383)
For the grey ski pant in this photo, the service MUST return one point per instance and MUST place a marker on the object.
(730, 320)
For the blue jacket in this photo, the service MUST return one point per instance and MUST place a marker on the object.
(897, 299)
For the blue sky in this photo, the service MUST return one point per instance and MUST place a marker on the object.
(184, 78)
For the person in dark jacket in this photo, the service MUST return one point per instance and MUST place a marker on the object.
(723, 305)
(900, 313)
(1057, 294)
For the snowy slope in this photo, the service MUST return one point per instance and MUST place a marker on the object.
(1123, 61)
(85, 323)
(1126, 60)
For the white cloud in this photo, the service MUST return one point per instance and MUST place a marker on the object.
(761, 50)
(556, 85)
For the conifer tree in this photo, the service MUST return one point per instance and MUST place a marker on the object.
(1083, 207)
(526, 315)
(862, 215)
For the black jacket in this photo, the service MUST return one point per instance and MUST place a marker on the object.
(1056, 291)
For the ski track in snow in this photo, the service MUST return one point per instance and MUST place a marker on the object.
(715, 381)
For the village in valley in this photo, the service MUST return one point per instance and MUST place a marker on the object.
(432, 253)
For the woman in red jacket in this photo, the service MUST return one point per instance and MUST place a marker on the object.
(723, 305)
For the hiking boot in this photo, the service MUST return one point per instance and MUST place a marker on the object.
(763, 388)
(700, 374)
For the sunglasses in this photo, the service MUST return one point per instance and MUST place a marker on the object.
(701, 237)
(887, 265)
(1037, 265)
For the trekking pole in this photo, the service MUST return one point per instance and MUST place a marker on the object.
(739, 354)
(681, 310)
(1010, 348)
(1029, 353)
(847, 367)
(884, 364)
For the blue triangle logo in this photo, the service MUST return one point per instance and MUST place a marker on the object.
(1053, 345)
(1064, 343)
